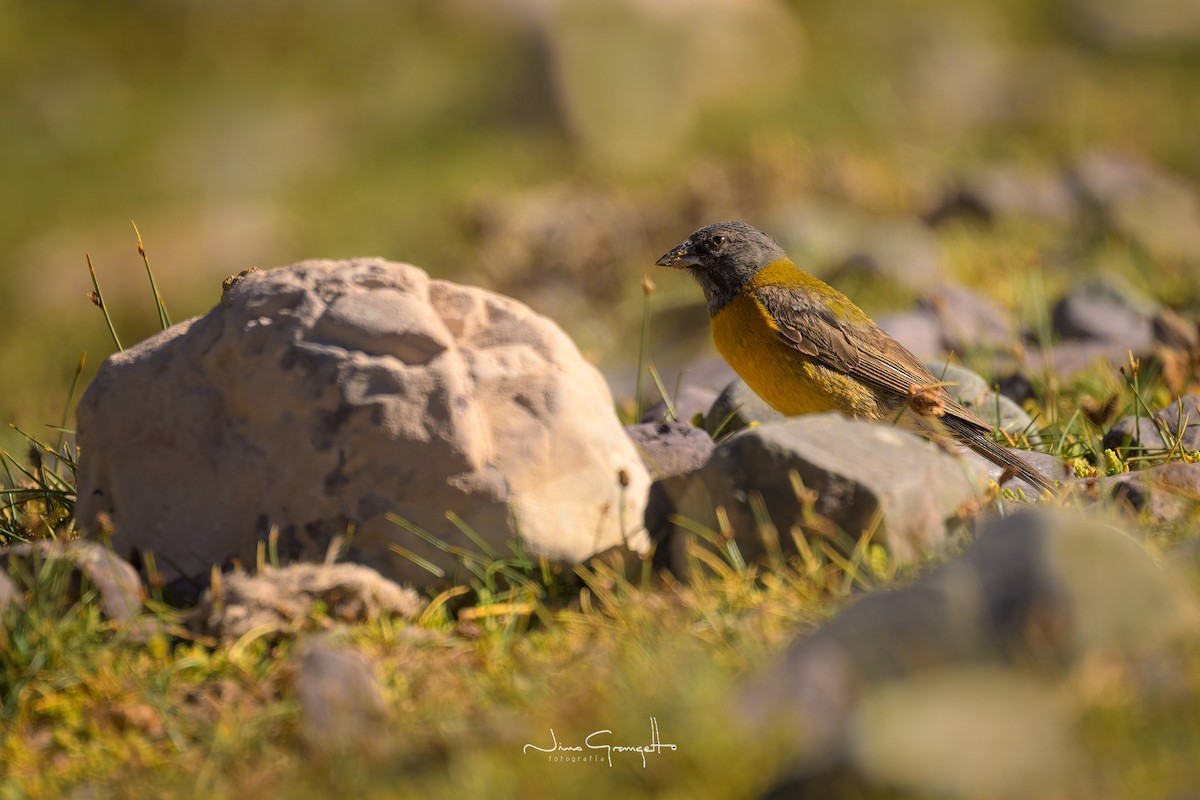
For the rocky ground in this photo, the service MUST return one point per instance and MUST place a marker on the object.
(330, 537)
(359, 531)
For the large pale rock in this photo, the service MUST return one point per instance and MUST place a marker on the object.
(323, 396)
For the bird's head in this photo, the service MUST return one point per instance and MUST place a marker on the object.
(723, 258)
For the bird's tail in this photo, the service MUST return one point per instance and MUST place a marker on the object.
(982, 443)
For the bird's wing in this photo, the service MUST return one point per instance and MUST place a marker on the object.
(858, 348)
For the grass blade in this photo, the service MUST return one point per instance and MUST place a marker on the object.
(643, 349)
(97, 297)
(428, 566)
(672, 414)
(66, 415)
(164, 319)
(470, 533)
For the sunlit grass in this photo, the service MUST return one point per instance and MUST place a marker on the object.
(380, 148)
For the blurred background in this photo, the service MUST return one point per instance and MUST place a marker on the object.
(552, 149)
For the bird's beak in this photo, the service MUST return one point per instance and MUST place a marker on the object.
(679, 257)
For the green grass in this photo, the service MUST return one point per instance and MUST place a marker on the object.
(374, 130)
(84, 705)
(519, 649)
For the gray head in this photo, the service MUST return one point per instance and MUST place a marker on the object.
(723, 258)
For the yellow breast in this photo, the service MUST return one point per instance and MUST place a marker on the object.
(792, 383)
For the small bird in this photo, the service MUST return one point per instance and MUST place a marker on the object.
(804, 347)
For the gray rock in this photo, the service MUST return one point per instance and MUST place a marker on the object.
(969, 321)
(66, 566)
(1173, 330)
(1164, 493)
(1016, 386)
(342, 709)
(1035, 589)
(671, 448)
(1006, 190)
(974, 393)
(1065, 359)
(283, 600)
(737, 407)
(1105, 309)
(919, 331)
(1137, 200)
(331, 394)
(1180, 420)
(841, 240)
(1051, 466)
(862, 477)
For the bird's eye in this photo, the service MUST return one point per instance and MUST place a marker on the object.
(718, 241)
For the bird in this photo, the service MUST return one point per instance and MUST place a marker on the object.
(804, 347)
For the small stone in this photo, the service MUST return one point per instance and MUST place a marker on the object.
(841, 241)
(1136, 199)
(342, 709)
(1065, 359)
(1180, 420)
(1051, 466)
(671, 448)
(1005, 191)
(283, 600)
(1037, 589)
(1172, 330)
(1016, 386)
(969, 321)
(1010, 735)
(1105, 309)
(1164, 493)
(919, 332)
(114, 579)
(737, 407)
